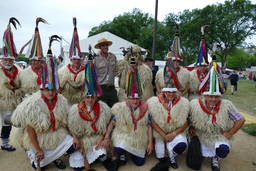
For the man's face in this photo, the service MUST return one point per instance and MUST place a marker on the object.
(202, 68)
(149, 63)
(223, 70)
(49, 94)
(37, 64)
(176, 63)
(212, 100)
(134, 102)
(170, 96)
(104, 48)
(7, 63)
(76, 62)
(90, 101)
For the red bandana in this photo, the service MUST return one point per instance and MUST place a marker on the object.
(76, 73)
(177, 69)
(39, 74)
(213, 112)
(143, 110)
(11, 75)
(51, 107)
(163, 102)
(85, 115)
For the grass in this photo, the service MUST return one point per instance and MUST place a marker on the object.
(250, 129)
(244, 98)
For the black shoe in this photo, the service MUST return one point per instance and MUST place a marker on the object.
(215, 168)
(174, 165)
(78, 168)
(122, 162)
(8, 148)
(59, 164)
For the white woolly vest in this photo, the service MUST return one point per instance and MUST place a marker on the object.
(208, 132)
(83, 129)
(183, 77)
(29, 81)
(33, 111)
(194, 81)
(124, 133)
(179, 115)
(71, 93)
(145, 74)
(9, 99)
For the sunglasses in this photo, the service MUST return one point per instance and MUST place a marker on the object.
(102, 45)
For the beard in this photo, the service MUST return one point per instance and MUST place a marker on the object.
(8, 66)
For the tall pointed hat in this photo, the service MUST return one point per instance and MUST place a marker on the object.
(175, 50)
(133, 88)
(74, 50)
(212, 83)
(50, 79)
(91, 86)
(9, 49)
(35, 50)
(203, 54)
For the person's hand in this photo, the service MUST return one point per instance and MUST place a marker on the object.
(105, 142)
(98, 144)
(77, 143)
(169, 137)
(227, 135)
(39, 155)
(191, 131)
(150, 148)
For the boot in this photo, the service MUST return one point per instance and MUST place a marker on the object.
(215, 163)
(6, 146)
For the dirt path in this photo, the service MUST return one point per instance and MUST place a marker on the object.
(241, 158)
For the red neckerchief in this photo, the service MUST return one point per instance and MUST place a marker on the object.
(39, 74)
(85, 115)
(76, 73)
(163, 102)
(51, 107)
(177, 69)
(143, 110)
(213, 112)
(11, 75)
(201, 78)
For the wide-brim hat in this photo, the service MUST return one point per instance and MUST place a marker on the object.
(102, 41)
(148, 59)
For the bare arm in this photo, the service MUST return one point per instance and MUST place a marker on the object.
(169, 137)
(157, 128)
(158, 88)
(77, 143)
(106, 141)
(237, 125)
(150, 140)
(185, 90)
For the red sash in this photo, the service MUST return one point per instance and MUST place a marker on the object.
(213, 112)
(11, 75)
(51, 107)
(163, 102)
(76, 73)
(85, 115)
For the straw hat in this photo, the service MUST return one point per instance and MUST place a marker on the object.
(102, 41)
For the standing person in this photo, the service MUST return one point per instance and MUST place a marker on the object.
(105, 64)
(132, 133)
(254, 79)
(72, 76)
(169, 113)
(215, 121)
(61, 63)
(31, 80)
(234, 81)
(10, 87)
(88, 120)
(225, 76)
(42, 121)
(149, 62)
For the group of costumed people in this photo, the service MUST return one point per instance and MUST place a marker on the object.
(77, 109)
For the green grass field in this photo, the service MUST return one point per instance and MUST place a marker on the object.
(244, 98)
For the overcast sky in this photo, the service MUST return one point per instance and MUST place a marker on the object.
(89, 13)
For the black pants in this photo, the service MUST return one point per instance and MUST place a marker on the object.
(109, 95)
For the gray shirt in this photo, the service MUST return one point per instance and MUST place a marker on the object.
(105, 68)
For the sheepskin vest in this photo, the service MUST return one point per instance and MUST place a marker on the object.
(145, 74)
(70, 84)
(33, 111)
(83, 128)
(124, 133)
(209, 133)
(10, 99)
(29, 81)
(183, 77)
(179, 114)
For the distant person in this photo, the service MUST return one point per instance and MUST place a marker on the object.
(234, 81)
(225, 76)
(149, 62)
(61, 63)
(254, 79)
(105, 64)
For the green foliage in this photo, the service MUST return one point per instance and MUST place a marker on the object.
(21, 57)
(250, 129)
